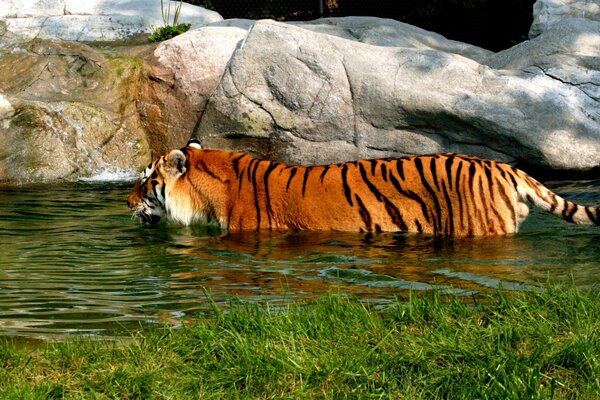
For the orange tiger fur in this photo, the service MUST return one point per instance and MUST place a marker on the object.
(439, 194)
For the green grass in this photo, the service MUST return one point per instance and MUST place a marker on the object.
(163, 33)
(543, 345)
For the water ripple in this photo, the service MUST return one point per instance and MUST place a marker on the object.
(73, 262)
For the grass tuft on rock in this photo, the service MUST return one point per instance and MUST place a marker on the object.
(163, 33)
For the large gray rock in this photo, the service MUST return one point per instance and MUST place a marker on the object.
(391, 33)
(547, 13)
(94, 20)
(183, 72)
(302, 96)
(568, 52)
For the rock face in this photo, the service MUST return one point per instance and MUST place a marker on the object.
(94, 20)
(323, 91)
(66, 112)
(183, 72)
(69, 111)
(547, 13)
(300, 96)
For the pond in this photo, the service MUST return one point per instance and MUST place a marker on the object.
(72, 261)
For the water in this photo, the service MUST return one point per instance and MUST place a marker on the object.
(72, 261)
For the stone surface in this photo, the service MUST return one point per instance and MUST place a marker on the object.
(183, 72)
(307, 97)
(94, 20)
(322, 91)
(391, 33)
(66, 113)
(568, 52)
(546, 13)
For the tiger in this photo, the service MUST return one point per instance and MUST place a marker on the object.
(446, 194)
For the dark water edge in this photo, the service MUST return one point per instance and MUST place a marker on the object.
(72, 261)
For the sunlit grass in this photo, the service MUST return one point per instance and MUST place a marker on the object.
(538, 345)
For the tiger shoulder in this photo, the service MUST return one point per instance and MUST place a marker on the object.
(438, 194)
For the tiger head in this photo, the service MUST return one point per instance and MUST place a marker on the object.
(161, 192)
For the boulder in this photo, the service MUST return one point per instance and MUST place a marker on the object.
(567, 52)
(183, 72)
(314, 92)
(302, 96)
(391, 33)
(95, 20)
(547, 13)
(67, 112)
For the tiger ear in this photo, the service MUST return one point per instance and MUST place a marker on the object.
(175, 163)
(195, 143)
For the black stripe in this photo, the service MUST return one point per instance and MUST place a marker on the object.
(201, 165)
(433, 167)
(400, 167)
(472, 171)
(154, 183)
(364, 213)
(292, 173)
(270, 169)
(418, 226)
(372, 188)
(250, 168)
(468, 199)
(508, 177)
(459, 196)
(509, 205)
(569, 210)
(306, 172)
(450, 230)
(449, 164)
(488, 173)
(256, 203)
(411, 195)
(229, 216)
(322, 176)
(554, 203)
(437, 220)
(484, 213)
(240, 180)
(512, 178)
(594, 217)
(384, 171)
(373, 166)
(395, 214)
(347, 192)
(477, 212)
(391, 209)
(235, 164)
(492, 186)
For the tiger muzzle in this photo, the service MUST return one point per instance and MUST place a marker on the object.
(149, 218)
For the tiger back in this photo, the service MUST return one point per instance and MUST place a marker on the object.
(440, 194)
